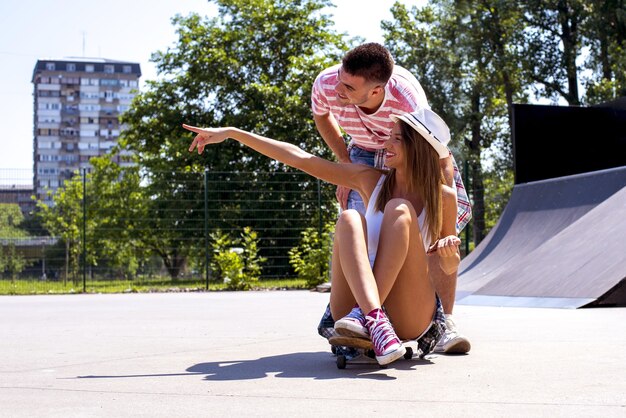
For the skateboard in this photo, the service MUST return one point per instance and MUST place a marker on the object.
(365, 351)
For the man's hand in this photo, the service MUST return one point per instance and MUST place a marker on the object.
(447, 250)
(342, 196)
(446, 247)
(206, 136)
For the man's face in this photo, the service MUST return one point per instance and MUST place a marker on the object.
(352, 89)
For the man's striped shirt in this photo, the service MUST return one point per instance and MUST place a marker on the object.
(403, 93)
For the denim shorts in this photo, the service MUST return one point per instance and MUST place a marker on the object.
(359, 156)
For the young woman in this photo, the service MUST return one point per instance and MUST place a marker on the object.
(380, 284)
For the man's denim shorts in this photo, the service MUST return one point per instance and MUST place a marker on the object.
(359, 156)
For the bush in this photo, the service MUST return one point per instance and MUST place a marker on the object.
(236, 260)
(311, 259)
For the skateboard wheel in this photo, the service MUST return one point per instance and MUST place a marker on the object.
(341, 361)
(409, 353)
(333, 349)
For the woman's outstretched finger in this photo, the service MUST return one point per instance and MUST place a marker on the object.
(193, 128)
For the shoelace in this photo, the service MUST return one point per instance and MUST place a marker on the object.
(382, 333)
(450, 325)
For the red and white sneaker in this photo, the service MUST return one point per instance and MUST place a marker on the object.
(387, 346)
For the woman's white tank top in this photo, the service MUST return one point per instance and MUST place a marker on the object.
(374, 219)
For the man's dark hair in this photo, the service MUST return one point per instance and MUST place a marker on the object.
(371, 61)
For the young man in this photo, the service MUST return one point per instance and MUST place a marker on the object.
(358, 97)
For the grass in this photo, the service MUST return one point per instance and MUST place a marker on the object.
(39, 287)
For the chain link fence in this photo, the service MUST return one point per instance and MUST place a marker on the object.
(138, 230)
(153, 229)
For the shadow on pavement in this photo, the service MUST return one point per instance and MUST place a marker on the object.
(317, 365)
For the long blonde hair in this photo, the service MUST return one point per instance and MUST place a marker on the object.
(424, 177)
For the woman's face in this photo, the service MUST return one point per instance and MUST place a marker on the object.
(395, 148)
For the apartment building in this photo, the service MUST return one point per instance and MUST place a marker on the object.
(77, 104)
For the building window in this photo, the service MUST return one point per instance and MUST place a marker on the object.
(89, 68)
(109, 82)
(109, 69)
(71, 67)
(127, 69)
(50, 66)
(70, 80)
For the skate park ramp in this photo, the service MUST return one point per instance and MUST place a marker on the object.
(560, 242)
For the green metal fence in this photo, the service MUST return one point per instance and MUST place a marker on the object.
(146, 232)
(140, 230)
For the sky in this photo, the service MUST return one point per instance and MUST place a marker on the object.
(116, 29)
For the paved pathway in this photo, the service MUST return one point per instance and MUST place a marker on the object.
(257, 354)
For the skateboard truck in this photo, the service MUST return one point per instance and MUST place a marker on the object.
(365, 351)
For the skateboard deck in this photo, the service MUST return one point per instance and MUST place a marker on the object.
(365, 351)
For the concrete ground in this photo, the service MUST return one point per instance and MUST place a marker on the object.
(258, 354)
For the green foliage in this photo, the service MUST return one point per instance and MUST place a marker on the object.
(497, 193)
(251, 66)
(311, 258)
(65, 220)
(606, 27)
(11, 218)
(138, 285)
(252, 260)
(113, 202)
(475, 59)
(236, 260)
(552, 40)
(573, 43)
(231, 266)
(116, 203)
(11, 261)
(463, 53)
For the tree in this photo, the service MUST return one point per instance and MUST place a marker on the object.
(475, 59)
(11, 218)
(113, 203)
(252, 66)
(552, 41)
(605, 33)
(116, 206)
(64, 220)
(11, 260)
(461, 53)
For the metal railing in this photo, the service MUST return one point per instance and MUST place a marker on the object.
(162, 230)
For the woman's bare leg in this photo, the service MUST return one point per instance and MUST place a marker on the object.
(401, 271)
(352, 277)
